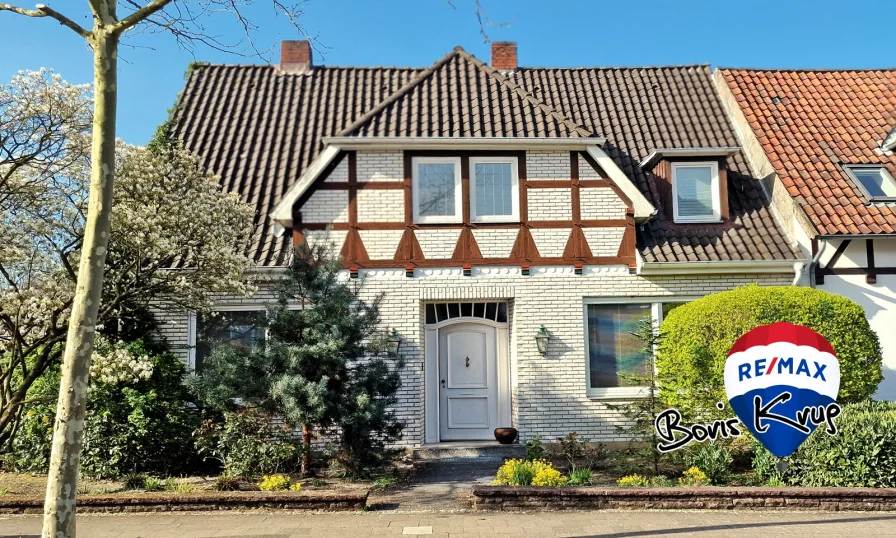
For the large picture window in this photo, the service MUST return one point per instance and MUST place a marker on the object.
(233, 328)
(436, 189)
(494, 193)
(614, 351)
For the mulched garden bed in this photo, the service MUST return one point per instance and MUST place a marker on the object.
(748, 498)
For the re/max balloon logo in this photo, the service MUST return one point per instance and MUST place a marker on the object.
(781, 380)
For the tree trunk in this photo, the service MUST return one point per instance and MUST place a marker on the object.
(62, 480)
(306, 450)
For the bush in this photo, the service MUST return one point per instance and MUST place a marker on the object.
(153, 484)
(135, 481)
(227, 483)
(634, 481)
(693, 477)
(137, 416)
(275, 483)
(578, 453)
(248, 444)
(534, 448)
(696, 338)
(580, 477)
(861, 454)
(516, 472)
(714, 459)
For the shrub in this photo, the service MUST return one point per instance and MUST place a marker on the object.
(578, 453)
(580, 477)
(534, 448)
(276, 482)
(861, 454)
(249, 444)
(135, 481)
(696, 338)
(714, 459)
(693, 477)
(153, 484)
(227, 483)
(661, 481)
(138, 419)
(634, 481)
(517, 472)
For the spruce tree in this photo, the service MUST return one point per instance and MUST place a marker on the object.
(322, 367)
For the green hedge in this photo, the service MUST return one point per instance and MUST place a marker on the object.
(695, 339)
(862, 454)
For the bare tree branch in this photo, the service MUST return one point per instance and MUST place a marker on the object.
(63, 20)
(21, 11)
(141, 14)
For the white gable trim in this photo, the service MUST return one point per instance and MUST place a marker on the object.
(643, 208)
(282, 213)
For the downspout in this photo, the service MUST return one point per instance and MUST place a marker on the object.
(814, 262)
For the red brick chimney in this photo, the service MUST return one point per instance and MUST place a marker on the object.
(295, 56)
(504, 55)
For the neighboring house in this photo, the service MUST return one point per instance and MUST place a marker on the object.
(823, 142)
(487, 202)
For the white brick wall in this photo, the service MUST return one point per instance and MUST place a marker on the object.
(340, 173)
(551, 242)
(335, 238)
(604, 241)
(550, 204)
(380, 205)
(541, 165)
(326, 206)
(437, 244)
(380, 166)
(599, 203)
(548, 394)
(381, 244)
(586, 171)
(495, 243)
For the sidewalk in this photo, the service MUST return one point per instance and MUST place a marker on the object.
(615, 524)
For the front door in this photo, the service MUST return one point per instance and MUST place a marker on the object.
(468, 382)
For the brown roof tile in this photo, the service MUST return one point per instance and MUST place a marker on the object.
(834, 118)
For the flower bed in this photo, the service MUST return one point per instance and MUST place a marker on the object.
(510, 498)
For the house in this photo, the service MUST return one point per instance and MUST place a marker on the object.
(489, 202)
(823, 144)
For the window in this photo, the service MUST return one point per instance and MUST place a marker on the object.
(695, 187)
(613, 354)
(436, 189)
(495, 185)
(234, 328)
(875, 181)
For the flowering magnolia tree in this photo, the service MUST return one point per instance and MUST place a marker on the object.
(168, 213)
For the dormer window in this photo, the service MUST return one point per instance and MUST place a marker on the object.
(437, 189)
(695, 191)
(875, 181)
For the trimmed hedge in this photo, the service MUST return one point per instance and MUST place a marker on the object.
(862, 454)
(695, 339)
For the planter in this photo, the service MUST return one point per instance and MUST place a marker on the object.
(505, 436)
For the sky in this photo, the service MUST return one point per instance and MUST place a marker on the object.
(558, 33)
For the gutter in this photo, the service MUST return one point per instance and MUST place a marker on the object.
(659, 153)
(422, 142)
(723, 267)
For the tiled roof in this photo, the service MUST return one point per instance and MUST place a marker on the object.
(809, 124)
(259, 129)
(463, 97)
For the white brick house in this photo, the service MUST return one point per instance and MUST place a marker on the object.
(485, 202)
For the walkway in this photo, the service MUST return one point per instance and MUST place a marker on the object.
(438, 485)
(610, 524)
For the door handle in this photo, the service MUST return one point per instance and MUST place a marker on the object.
(468, 362)
(443, 382)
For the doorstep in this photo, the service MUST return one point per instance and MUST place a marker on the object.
(460, 451)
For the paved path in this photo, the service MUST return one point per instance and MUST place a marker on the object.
(438, 485)
(616, 524)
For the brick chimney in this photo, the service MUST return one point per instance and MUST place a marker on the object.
(295, 56)
(504, 55)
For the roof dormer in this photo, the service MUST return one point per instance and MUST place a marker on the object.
(692, 182)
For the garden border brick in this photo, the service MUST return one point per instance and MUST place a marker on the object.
(159, 502)
(830, 499)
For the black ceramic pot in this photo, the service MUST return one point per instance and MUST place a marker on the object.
(505, 436)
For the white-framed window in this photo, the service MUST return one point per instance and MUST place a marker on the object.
(235, 326)
(436, 189)
(494, 189)
(875, 181)
(695, 192)
(613, 354)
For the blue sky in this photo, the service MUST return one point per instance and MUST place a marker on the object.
(771, 34)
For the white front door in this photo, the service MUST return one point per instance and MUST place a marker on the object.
(468, 382)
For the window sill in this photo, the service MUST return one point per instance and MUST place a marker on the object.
(618, 393)
(698, 220)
